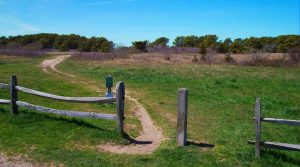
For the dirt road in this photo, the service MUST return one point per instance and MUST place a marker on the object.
(148, 141)
(50, 64)
(18, 161)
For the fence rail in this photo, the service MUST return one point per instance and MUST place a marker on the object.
(4, 86)
(280, 146)
(3, 101)
(67, 112)
(275, 145)
(119, 100)
(281, 121)
(70, 99)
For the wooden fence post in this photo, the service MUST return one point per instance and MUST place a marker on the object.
(182, 116)
(257, 127)
(120, 99)
(13, 95)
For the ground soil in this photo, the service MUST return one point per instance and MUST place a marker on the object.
(151, 136)
(17, 161)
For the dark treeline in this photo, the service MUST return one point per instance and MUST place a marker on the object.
(206, 43)
(210, 43)
(55, 41)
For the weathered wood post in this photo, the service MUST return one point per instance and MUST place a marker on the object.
(182, 116)
(257, 127)
(13, 95)
(120, 99)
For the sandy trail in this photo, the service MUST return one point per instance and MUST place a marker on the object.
(51, 64)
(148, 141)
(18, 161)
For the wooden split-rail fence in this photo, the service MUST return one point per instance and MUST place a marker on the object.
(119, 99)
(275, 145)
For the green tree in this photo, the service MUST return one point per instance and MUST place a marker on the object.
(191, 41)
(179, 41)
(140, 45)
(202, 51)
(63, 47)
(3, 41)
(224, 47)
(286, 42)
(253, 43)
(187, 41)
(84, 45)
(237, 46)
(163, 41)
(210, 41)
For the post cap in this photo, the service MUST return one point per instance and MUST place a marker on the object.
(182, 90)
(109, 81)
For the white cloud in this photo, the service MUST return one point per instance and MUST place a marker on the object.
(9, 23)
(27, 27)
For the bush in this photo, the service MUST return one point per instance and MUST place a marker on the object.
(22, 52)
(260, 60)
(294, 55)
(141, 45)
(167, 57)
(195, 59)
(228, 58)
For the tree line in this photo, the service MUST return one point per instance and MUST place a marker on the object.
(210, 43)
(206, 43)
(54, 41)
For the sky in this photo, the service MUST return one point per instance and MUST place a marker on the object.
(124, 21)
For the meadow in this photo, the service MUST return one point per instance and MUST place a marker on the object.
(221, 107)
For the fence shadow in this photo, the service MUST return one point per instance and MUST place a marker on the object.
(75, 121)
(2, 110)
(282, 156)
(200, 144)
(133, 141)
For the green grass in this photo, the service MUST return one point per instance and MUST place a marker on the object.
(221, 107)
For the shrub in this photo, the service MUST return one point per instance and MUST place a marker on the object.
(141, 45)
(22, 52)
(167, 57)
(294, 55)
(228, 58)
(195, 59)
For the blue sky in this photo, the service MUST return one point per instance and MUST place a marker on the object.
(124, 21)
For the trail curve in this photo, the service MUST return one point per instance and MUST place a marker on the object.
(151, 136)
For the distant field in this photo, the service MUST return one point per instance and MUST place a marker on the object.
(221, 107)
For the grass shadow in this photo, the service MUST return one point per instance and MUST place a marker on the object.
(75, 121)
(199, 144)
(282, 156)
(2, 110)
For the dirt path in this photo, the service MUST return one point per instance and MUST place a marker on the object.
(6, 161)
(50, 64)
(148, 141)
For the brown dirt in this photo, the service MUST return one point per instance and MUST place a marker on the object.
(17, 161)
(51, 64)
(148, 141)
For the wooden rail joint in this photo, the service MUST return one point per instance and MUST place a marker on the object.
(258, 143)
(119, 99)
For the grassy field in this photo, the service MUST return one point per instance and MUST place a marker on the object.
(221, 107)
